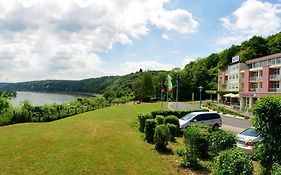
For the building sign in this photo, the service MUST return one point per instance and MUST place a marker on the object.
(235, 59)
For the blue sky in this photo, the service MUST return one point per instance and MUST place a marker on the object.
(77, 39)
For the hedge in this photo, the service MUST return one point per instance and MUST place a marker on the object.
(161, 137)
(142, 118)
(149, 129)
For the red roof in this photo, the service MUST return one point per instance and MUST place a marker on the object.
(277, 55)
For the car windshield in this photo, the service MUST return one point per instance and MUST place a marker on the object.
(250, 132)
(188, 116)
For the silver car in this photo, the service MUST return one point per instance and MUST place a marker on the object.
(212, 119)
(248, 140)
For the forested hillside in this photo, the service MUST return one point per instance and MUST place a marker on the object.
(202, 72)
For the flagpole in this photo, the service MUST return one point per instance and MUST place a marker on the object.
(177, 94)
(161, 93)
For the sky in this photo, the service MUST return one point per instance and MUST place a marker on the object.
(79, 39)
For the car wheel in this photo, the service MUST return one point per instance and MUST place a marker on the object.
(215, 127)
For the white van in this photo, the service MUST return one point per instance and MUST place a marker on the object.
(212, 119)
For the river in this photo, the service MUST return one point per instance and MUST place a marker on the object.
(40, 98)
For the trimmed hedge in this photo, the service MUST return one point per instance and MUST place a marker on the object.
(160, 119)
(142, 118)
(149, 129)
(161, 137)
(173, 130)
(197, 137)
(232, 162)
(172, 120)
(220, 141)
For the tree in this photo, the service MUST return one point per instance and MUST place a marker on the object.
(267, 122)
(4, 105)
(253, 48)
(274, 43)
(147, 85)
(143, 88)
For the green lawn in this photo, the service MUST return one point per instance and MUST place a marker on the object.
(98, 142)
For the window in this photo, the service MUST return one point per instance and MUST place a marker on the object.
(278, 60)
(257, 64)
(276, 84)
(276, 71)
(207, 117)
(264, 63)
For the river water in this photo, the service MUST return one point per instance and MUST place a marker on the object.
(39, 98)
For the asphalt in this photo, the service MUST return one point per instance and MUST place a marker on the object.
(231, 123)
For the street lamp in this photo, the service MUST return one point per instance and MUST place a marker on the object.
(200, 89)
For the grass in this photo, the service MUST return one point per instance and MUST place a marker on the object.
(97, 142)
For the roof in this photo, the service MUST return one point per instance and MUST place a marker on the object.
(205, 112)
(277, 55)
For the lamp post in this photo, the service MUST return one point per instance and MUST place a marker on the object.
(200, 89)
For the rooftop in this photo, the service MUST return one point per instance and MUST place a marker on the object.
(277, 55)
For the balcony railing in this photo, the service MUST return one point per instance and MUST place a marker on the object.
(255, 78)
(242, 80)
(274, 89)
(275, 77)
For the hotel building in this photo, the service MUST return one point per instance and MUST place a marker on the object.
(257, 78)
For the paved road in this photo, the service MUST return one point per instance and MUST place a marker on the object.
(228, 123)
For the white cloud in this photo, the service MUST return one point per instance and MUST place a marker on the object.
(61, 39)
(165, 36)
(132, 66)
(188, 60)
(253, 17)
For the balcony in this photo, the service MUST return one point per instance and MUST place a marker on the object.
(274, 90)
(276, 77)
(241, 80)
(255, 79)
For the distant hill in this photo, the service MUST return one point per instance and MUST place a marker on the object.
(92, 85)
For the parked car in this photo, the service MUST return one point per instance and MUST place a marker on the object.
(248, 140)
(212, 119)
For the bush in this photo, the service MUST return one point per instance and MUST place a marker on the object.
(220, 141)
(232, 162)
(161, 137)
(189, 159)
(160, 119)
(149, 129)
(172, 120)
(173, 131)
(276, 169)
(196, 137)
(142, 117)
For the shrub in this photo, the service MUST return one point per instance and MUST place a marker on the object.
(142, 117)
(221, 140)
(149, 129)
(173, 131)
(196, 137)
(189, 159)
(232, 162)
(161, 137)
(160, 119)
(276, 169)
(172, 120)
(180, 151)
